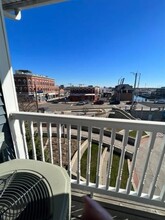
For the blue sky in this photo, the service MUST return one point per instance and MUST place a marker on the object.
(92, 42)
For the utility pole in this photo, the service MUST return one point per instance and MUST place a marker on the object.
(135, 74)
(139, 80)
(138, 83)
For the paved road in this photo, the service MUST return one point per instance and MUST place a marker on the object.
(62, 106)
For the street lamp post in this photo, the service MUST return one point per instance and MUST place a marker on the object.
(36, 99)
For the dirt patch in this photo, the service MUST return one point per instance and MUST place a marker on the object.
(64, 149)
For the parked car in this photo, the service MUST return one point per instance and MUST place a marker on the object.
(86, 101)
(159, 101)
(130, 103)
(114, 102)
(55, 101)
(80, 103)
(98, 102)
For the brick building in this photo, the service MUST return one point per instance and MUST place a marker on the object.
(123, 92)
(29, 84)
(84, 93)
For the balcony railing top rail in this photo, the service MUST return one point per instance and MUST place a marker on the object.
(95, 122)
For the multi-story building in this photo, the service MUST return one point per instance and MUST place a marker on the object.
(106, 92)
(84, 93)
(30, 84)
(123, 92)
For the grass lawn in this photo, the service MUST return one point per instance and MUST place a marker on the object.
(125, 174)
(115, 165)
(117, 130)
(94, 152)
(133, 133)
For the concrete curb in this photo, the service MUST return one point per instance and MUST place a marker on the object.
(74, 158)
(103, 172)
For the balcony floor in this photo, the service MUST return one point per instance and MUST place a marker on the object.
(116, 209)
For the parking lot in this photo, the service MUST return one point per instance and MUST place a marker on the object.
(70, 106)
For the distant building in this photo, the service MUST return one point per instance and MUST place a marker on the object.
(123, 92)
(84, 93)
(29, 84)
(106, 92)
(159, 93)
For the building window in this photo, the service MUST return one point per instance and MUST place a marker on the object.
(29, 81)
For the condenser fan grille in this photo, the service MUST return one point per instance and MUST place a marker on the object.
(24, 195)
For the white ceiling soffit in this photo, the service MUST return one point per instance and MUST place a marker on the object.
(12, 8)
(9, 5)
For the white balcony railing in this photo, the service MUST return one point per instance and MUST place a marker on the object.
(63, 139)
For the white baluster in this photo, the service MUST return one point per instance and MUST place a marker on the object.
(89, 155)
(150, 147)
(99, 156)
(79, 154)
(122, 158)
(162, 194)
(131, 172)
(154, 181)
(69, 150)
(23, 132)
(41, 141)
(59, 144)
(50, 142)
(113, 135)
(33, 141)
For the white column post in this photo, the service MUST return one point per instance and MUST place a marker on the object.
(8, 87)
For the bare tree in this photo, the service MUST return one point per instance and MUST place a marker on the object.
(27, 104)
